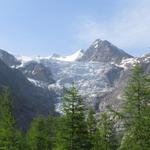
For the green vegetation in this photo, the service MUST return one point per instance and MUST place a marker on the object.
(136, 112)
(79, 128)
(41, 134)
(106, 133)
(10, 137)
(73, 133)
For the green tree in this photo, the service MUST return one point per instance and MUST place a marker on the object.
(136, 112)
(72, 134)
(10, 137)
(92, 128)
(105, 137)
(50, 131)
(41, 134)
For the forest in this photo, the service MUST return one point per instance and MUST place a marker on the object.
(81, 128)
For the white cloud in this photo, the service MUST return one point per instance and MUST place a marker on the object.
(130, 29)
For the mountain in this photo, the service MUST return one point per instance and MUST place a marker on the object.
(104, 51)
(77, 55)
(8, 59)
(93, 78)
(38, 72)
(29, 100)
(114, 98)
(100, 73)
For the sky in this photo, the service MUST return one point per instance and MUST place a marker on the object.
(44, 27)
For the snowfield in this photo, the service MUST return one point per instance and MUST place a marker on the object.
(89, 77)
(93, 79)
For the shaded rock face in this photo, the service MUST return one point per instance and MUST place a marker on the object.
(8, 59)
(104, 51)
(37, 71)
(145, 61)
(115, 98)
(147, 68)
(28, 99)
(113, 74)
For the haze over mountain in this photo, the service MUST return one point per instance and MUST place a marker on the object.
(100, 73)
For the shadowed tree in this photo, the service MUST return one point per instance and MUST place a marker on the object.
(10, 137)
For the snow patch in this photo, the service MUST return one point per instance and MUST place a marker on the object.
(77, 55)
(127, 63)
(24, 59)
(37, 83)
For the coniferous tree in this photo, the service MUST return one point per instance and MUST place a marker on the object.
(92, 128)
(50, 131)
(136, 112)
(10, 137)
(105, 137)
(73, 133)
(41, 134)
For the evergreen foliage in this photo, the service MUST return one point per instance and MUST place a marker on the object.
(92, 128)
(106, 134)
(73, 134)
(10, 137)
(41, 134)
(136, 112)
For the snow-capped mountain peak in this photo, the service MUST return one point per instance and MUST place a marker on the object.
(104, 51)
(70, 58)
(24, 59)
(100, 73)
(96, 43)
(77, 55)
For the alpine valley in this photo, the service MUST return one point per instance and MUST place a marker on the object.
(100, 73)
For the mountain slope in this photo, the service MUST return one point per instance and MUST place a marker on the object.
(37, 71)
(101, 73)
(28, 99)
(77, 55)
(8, 58)
(104, 51)
(95, 71)
(115, 97)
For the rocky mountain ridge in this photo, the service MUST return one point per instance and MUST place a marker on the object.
(104, 51)
(100, 73)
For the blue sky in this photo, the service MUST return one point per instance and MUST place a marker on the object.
(43, 27)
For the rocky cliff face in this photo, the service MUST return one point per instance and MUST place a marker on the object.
(114, 98)
(37, 71)
(104, 51)
(8, 59)
(29, 100)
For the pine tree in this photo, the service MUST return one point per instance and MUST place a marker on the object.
(105, 137)
(10, 137)
(92, 128)
(136, 112)
(50, 132)
(73, 134)
(41, 134)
